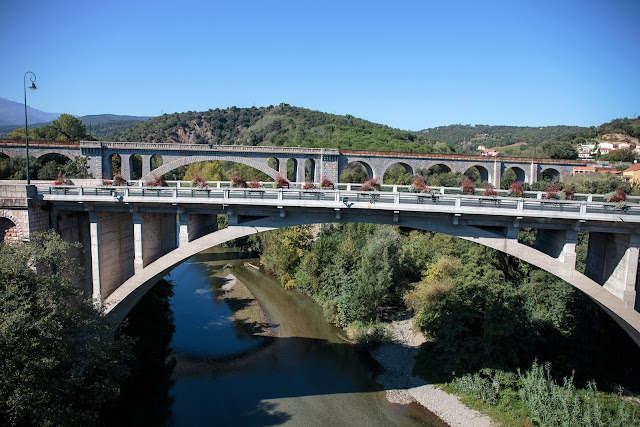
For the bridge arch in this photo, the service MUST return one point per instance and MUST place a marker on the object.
(439, 168)
(513, 173)
(407, 169)
(355, 164)
(124, 298)
(549, 173)
(482, 171)
(183, 161)
(43, 153)
(10, 228)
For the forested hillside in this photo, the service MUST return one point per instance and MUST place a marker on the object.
(468, 137)
(282, 125)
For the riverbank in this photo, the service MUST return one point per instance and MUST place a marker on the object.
(396, 356)
(247, 312)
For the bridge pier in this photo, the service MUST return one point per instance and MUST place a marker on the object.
(612, 261)
(560, 244)
(125, 166)
(112, 251)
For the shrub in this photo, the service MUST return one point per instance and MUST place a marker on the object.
(567, 193)
(489, 191)
(254, 183)
(119, 180)
(478, 387)
(516, 190)
(281, 181)
(370, 185)
(326, 183)
(616, 196)
(157, 182)
(198, 181)
(551, 192)
(467, 186)
(418, 185)
(367, 335)
(60, 180)
(107, 182)
(238, 182)
(309, 186)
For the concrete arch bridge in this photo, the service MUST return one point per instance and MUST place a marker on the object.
(132, 236)
(158, 159)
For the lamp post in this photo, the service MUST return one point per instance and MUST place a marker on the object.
(32, 77)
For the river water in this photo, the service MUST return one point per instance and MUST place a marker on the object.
(225, 375)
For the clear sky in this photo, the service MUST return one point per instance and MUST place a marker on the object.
(407, 64)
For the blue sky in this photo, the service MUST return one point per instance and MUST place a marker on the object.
(410, 65)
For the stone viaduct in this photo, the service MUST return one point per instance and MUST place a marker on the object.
(132, 236)
(320, 162)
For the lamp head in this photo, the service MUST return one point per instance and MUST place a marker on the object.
(33, 86)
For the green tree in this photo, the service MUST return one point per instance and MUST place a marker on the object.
(59, 359)
(69, 128)
(559, 150)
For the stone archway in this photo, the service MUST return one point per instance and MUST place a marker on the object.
(10, 229)
(174, 164)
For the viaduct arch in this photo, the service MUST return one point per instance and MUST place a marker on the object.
(124, 298)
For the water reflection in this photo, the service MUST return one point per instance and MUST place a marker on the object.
(224, 374)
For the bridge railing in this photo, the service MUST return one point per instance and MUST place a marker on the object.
(397, 189)
(347, 198)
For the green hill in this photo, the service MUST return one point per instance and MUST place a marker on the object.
(467, 138)
(283, 125)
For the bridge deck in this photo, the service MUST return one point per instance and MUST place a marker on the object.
(584, 210)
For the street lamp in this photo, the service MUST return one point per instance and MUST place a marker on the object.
(32, 77)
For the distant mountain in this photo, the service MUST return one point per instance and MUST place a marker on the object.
(12, 113)
(98, 125)
(104, 118)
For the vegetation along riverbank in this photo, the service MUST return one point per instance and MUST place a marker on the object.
(506, 336)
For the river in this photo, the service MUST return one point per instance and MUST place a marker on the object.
(222, 371)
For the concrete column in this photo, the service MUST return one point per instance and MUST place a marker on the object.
(95, 255)
(183, 229)
(125, 166)
(560, 244)
(282, 166)
(138, 258)
(146, 163)
(497, 174)
(300, 170)
(533, 173)
(612, 261)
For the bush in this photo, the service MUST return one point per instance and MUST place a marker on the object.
(418, 185)
(238, 182)
(370, 185)
(118, 180)
(367, 334)
(489, 191)
(254, 183)
(281, 181)
(326, 183)
(198, 181)
(309, 186)
(516, 189)
(467, 186)
(158, 182)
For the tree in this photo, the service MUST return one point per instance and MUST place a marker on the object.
(559, 149)
(59, 359)
(69, 128)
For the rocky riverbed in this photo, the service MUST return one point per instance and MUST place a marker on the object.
(396, 356)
